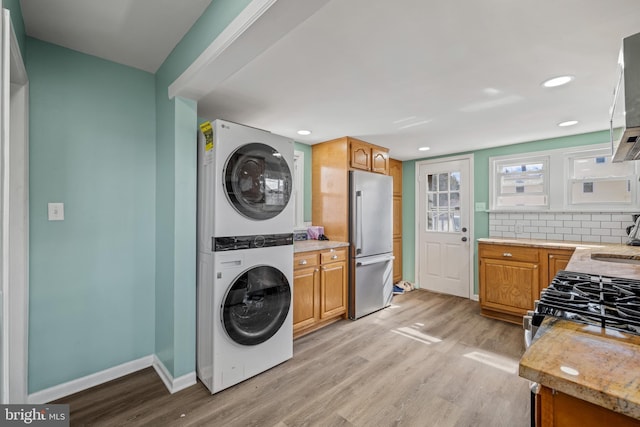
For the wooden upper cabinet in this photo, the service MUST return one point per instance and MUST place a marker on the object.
(360, 155)
(395, 170)
(380, 161)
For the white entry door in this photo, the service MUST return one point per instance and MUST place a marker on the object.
(444, 226)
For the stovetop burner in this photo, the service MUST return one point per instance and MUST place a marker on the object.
(611, 302)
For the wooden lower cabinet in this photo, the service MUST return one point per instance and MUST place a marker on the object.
(319, 289)
(556, 409)
(511, 277)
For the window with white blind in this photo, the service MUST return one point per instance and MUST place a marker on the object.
(521, 183)
(595, 180)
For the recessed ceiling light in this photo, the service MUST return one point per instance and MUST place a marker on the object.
(304, 132)
(568, 123)
(424, 148)
(557, 81)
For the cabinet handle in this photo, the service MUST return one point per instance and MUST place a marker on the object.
(303, 262)
(550, 256)
(507, 254)
(334, 257)
(316, 270)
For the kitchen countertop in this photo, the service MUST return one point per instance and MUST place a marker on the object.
(316, 245)
(598, 365)
(587, 362)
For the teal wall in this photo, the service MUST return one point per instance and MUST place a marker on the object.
(176, 122)
(92, 146)
(480, 188)
(16, 19)
(306, 149)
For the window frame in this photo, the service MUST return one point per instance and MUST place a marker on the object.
(497, 163)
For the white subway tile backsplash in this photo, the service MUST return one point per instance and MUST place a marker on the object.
(571, 224)
(612, 224)
(572, 237)
(591, 224)
(591, 227)
(582, 217)
(563, 230)
(581, 231)
(552, 236)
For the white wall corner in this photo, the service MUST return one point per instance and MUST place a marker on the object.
(65, 389)
(173, 384)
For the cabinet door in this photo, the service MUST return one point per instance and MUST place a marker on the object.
(333, 289)
(508, 286)
(305, 297)
(395, 170)
(397, 217)
(359, 155)
(379, 161)
(397, 261)
(557, 261)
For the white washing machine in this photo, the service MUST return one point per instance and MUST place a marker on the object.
(245, 320)
(245, 182)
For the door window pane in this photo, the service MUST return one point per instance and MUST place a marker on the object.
(443, 202)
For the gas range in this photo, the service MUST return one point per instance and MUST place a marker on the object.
(604, 301)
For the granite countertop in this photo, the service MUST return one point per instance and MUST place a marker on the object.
(598, 365)
(316, 245)
(587, 362)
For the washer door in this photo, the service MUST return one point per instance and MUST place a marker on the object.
(257, 181)
(256, 305)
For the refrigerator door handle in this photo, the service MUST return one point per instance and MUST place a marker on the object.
(359, 222)
(375, 261)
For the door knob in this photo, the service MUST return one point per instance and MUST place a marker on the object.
(464, 239)
(464, 229)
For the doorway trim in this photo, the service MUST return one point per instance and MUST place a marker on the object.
(472, 267)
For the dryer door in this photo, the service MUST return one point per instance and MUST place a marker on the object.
(257, 181)
(256, 305)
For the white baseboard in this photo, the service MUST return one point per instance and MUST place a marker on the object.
(173, 384)
(474, 297)
(74, 386)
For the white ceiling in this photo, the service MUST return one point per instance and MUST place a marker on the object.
(454, 75)
(138, 33)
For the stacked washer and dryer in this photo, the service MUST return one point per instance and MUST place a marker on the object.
(245, 254)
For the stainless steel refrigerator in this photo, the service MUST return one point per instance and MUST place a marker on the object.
(371, 238)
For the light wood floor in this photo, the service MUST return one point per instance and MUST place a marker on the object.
(429, 360)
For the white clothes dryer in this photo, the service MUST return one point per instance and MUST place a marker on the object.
(245, 320)
(245, 182)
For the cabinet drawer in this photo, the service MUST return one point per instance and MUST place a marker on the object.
(333, 255)
(513, 253)
(305, 259)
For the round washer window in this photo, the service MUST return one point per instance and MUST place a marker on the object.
(257, 181)
(256, 305)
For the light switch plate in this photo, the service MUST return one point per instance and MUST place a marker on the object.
(56, 211)
(481, 206)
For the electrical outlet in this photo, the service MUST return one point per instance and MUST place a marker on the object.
(56, 211)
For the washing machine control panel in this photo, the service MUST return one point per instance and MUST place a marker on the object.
(234, 243)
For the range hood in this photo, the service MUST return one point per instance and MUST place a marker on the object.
(625, 109)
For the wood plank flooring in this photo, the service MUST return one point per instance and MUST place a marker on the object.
(428, 360)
